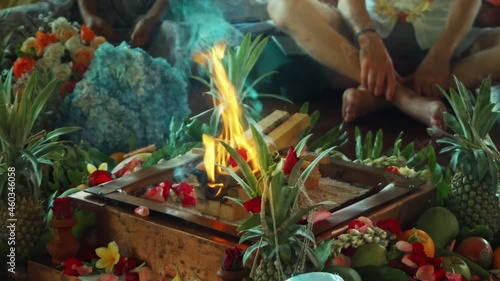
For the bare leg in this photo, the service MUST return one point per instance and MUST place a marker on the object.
(319, 33)
(358, 102)
(481, 60)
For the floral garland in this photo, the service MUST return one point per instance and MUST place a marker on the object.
(384, 9)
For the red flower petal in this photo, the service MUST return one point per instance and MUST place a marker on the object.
(290, 160)
(132, 276)
(63, 208)
(391, 225)
(69, 266)
(357, 224)
(393, 170)
(321, 215)
(243, 153)
(166, 185)
(87, 254)
(188, 199)
(253, 205)
(87, 34)
(155, 194)
(182, 188)
(99, 177)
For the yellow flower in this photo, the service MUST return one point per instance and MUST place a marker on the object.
(108, 257)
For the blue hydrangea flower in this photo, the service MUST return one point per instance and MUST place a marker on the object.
(126, 94)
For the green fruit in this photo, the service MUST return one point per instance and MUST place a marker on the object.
(369, 254)
(456, 265)
(347, 273)
(441, 224)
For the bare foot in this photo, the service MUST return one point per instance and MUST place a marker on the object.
(428, 111)
(358, 102)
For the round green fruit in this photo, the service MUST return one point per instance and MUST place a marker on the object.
(441, 225)
(369, 254)
(347, 273)
(455, 264)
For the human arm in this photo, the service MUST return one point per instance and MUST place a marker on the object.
(142, 29)
(88, 11)
(435, 68)
(377, 71)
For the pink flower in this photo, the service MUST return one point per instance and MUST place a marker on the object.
(108, 277)
(342, 260)
(142, 211)
(253, 205)
(290, 160)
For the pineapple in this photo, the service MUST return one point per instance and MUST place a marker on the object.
(26, 153)
(475, 159)
(283, 245)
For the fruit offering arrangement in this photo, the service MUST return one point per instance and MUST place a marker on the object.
(435, 249)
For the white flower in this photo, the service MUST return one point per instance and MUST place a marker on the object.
(47, 63)
(62, 71)
(28, 44)
(73, 44)
(58, 23)
(54, 50)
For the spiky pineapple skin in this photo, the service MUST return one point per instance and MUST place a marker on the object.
(268, 271)
(473, 202)
(30, 225)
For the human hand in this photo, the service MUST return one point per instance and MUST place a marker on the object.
(377, 71)
(433, 71)
(140, 36)
(100, 27)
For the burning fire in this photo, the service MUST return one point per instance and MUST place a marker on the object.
(231, 115)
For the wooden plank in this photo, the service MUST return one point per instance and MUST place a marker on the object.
(286, 133)
(269, 123)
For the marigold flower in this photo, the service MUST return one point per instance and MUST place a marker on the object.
(87, 34)
(44, 39)
(23, 65)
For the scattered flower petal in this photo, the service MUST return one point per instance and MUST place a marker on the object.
(142, 211)
(408, 262)
(155, 194)
(404, 246)
(321, 215)
(108, 277)
(425, 273)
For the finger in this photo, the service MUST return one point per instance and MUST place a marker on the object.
(380, 83)
(364, 75)
(400, 78)
(428, 89)
(372, 79)
(391, 86)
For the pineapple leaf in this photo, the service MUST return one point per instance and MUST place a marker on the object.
(302, 144)
(308, 170)
(481, 161)
(331, 138)
(368, 144)
(249, 190)
(447, 149)
(377, 144)
(359, 144)
(452, 123)
(202, 81)
(251, 234)
(257, 81)
(304, 109)
(295, 173)
(397, 144)
(36, 177)
(252, 222)
(235, 200)
(248, 252)
(264, 157)
(408, 151)
(314, 117)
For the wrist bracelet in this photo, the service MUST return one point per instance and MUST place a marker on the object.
(363, 32)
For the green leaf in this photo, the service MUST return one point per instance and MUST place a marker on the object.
(397, 144)
(249, 223)
(377, 144)
(249, 190)
(323, 251)
(251, 234)
(368, 145)
(304, 109)
(251, 185)
(264, 157)
(480, 231)
(308, 170)
(452, 123)
(312, 123)
(248, 252)
(408, 151)
(359, 144)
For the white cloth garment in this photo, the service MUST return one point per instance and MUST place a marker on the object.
(427, 26)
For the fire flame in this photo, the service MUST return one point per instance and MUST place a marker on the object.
(231, 115)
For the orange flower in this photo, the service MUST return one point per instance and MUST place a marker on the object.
(87, 34)
(23, 65)
(44, 39)
(84, 55)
